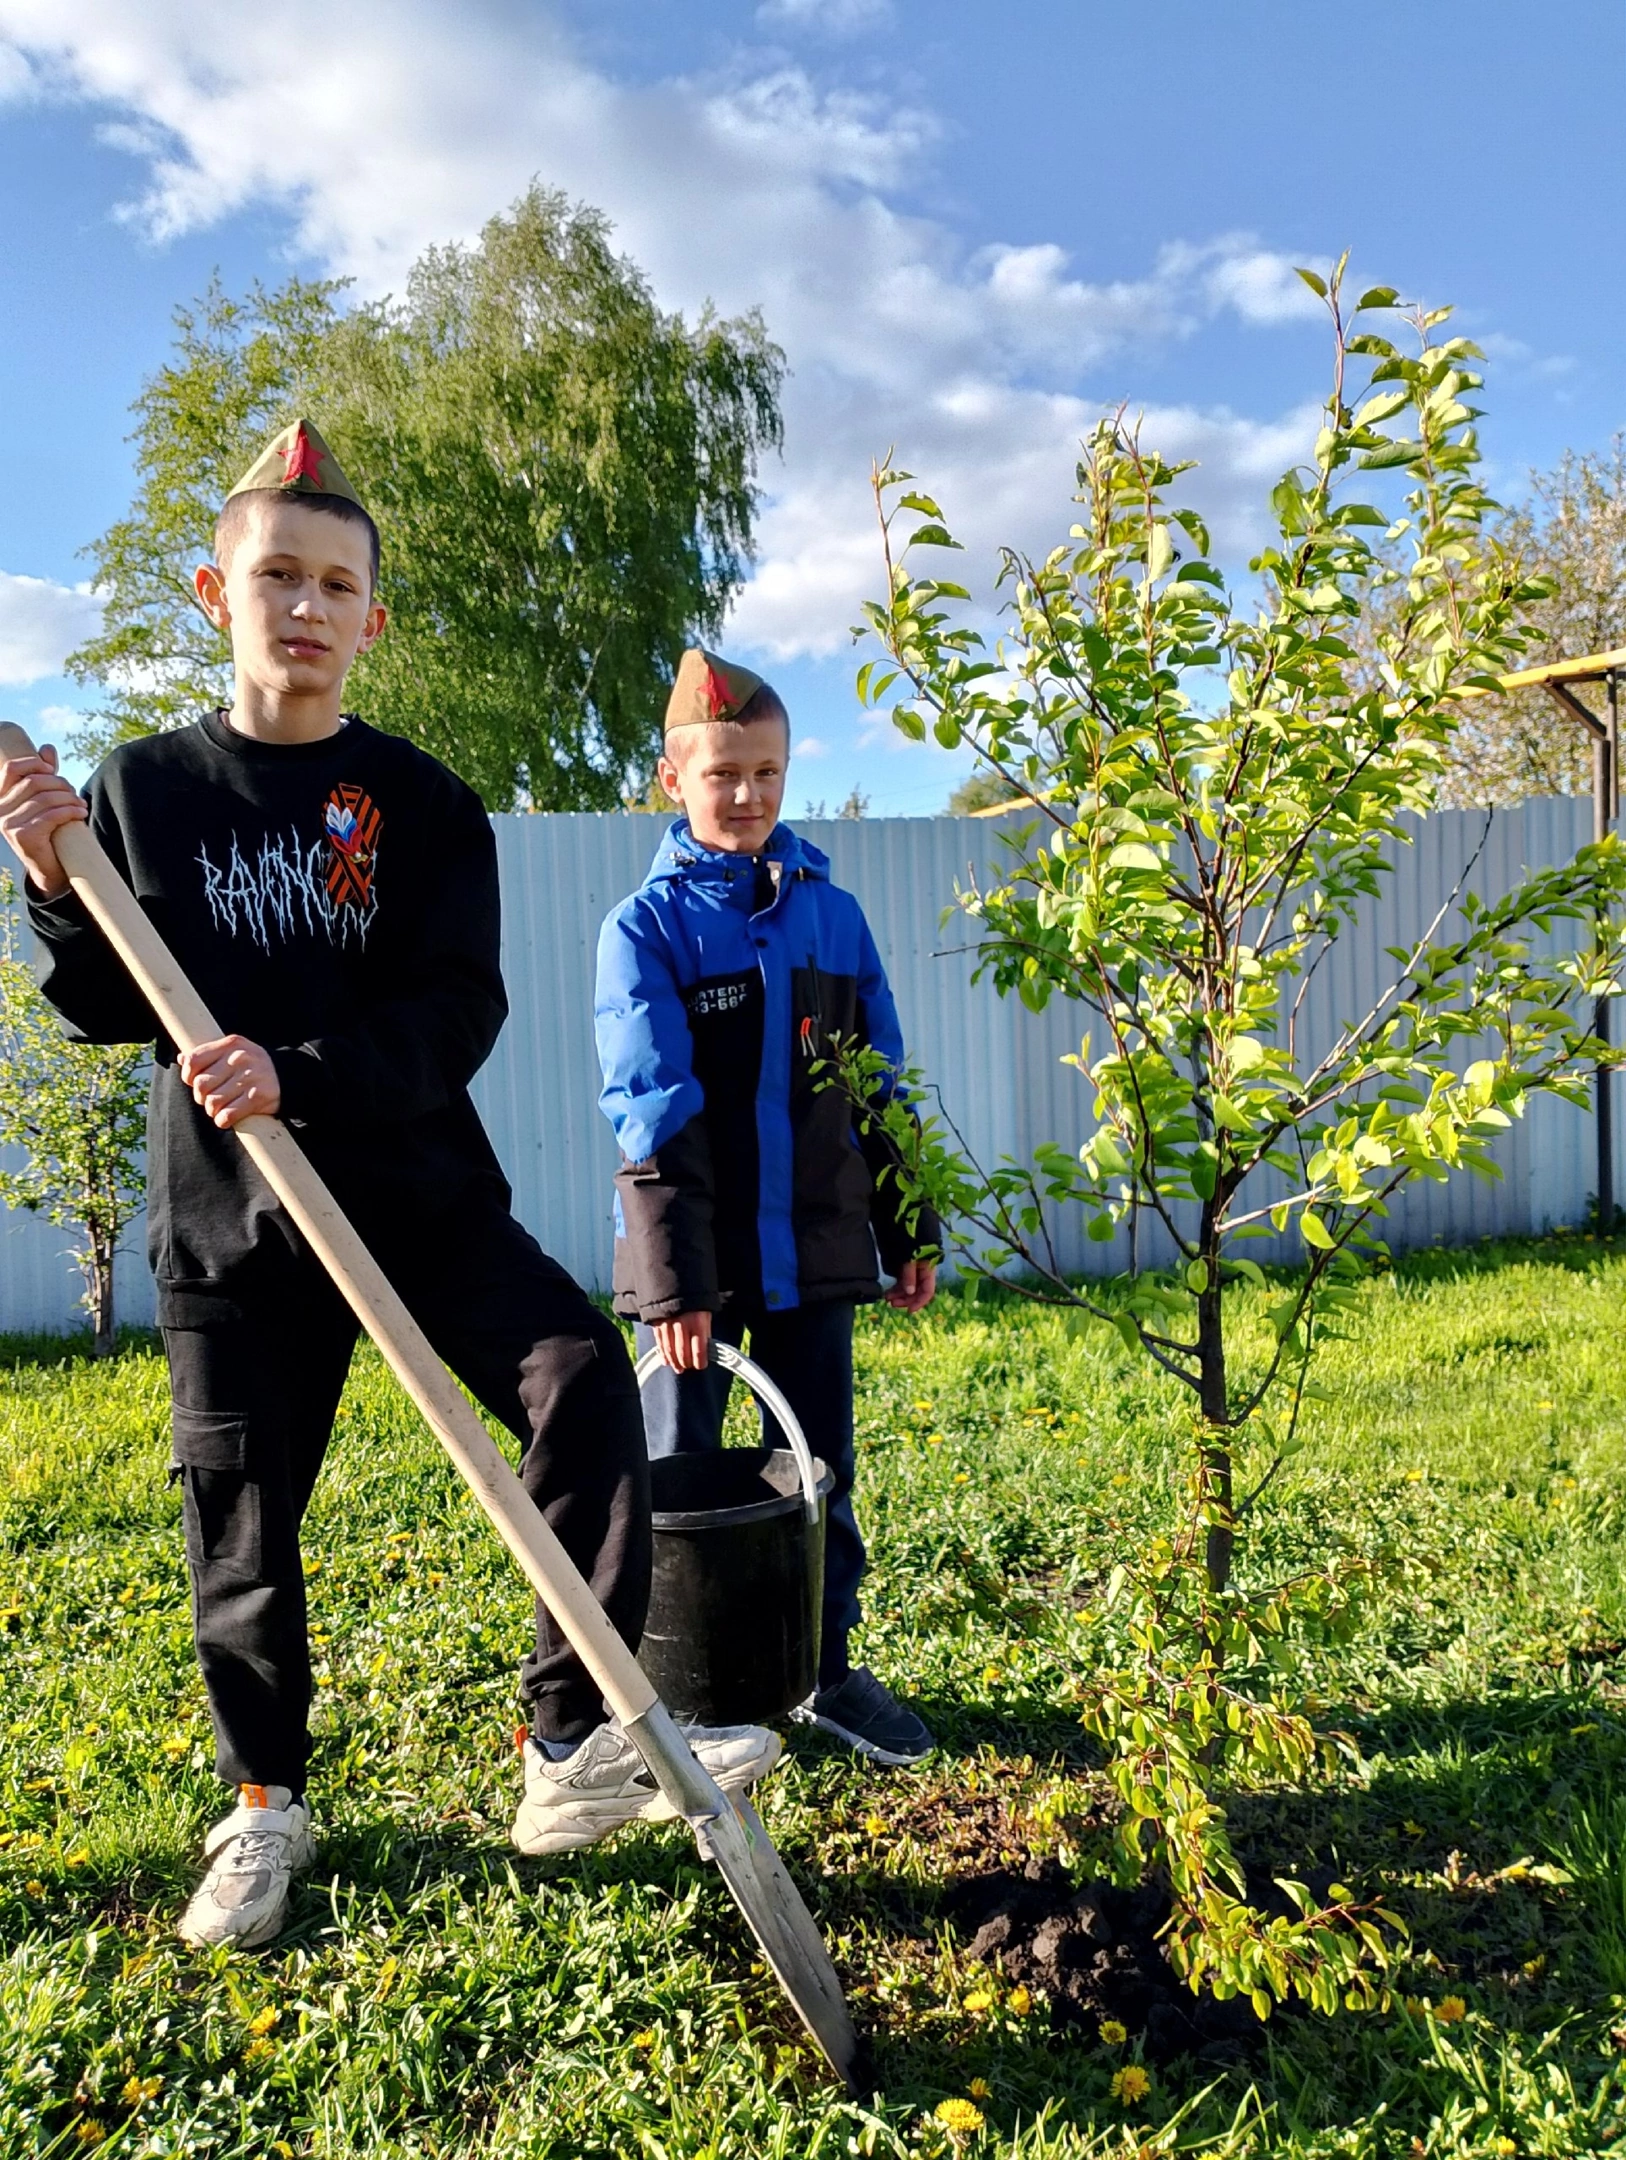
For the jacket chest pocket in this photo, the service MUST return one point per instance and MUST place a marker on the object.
(824, 1011)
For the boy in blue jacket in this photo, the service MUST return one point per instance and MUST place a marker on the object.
(746, 1201)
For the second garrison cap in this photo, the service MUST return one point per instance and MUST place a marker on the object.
(297, 462)
(707, 688)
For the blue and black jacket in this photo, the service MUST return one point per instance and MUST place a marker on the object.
(721, 982)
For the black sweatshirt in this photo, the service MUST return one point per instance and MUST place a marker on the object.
(335, 901)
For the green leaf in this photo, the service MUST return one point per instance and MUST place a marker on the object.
(1394, 453)
(1131, 855)
(1315, 1231)
(1317, 284)
(1099, 1229)
(932, 536)
(1109, 1154)
(908, 723)
(1379, 296)
(1383, 406)
(1197, 1276)
(947, 730)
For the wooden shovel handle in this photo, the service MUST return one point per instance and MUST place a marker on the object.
(281, 1162)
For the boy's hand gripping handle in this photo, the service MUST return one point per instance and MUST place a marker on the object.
(277, 1155)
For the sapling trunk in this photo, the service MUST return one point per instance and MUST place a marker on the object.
(103, 1306)
(1216, 1444)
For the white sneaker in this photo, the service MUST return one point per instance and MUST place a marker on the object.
(605, 1783)
(253, 1855)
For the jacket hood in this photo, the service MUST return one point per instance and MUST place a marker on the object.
(680, 855)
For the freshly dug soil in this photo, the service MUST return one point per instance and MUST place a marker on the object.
(1094, 1953)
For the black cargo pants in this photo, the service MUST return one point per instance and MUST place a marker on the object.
(257, 1365)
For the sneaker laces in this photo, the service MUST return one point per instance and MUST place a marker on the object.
(252, 1852)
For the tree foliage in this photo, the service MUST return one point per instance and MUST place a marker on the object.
(77, 1111)
(562, 474)
(1570, 534)
(982, 790)
(1217, 792)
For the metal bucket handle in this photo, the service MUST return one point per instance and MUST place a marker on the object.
(744, 1368)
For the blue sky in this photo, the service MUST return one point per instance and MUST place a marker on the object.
(971, 227)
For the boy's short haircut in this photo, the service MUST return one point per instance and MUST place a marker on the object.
(234, 513)
(764, 703)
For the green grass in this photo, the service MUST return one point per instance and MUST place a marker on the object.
(439, 1996)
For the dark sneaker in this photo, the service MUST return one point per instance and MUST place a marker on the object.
(861, 1712)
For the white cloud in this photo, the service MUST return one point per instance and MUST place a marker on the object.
(1260, 286)
(829, 18)
(810, 746)
(40, 624)
(414, 122)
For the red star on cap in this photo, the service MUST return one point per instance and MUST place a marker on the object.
(716, 694)
(303, 461)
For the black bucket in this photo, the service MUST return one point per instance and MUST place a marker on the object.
(732, 1636)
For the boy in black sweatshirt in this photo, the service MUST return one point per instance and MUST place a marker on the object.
(332, 893)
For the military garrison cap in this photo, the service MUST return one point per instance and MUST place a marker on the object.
(297, 462)
(707, 688)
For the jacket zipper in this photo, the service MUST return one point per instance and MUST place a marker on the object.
(813, 1025)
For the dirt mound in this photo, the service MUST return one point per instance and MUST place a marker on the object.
(1094, 1952)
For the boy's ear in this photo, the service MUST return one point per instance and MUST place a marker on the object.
(670, 776)
(373, 629)
(209, 582)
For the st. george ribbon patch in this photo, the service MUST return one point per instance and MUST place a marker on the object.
(352, 834)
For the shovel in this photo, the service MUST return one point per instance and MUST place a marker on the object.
(727, 1830)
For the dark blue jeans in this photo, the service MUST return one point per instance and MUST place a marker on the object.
(808, 1354)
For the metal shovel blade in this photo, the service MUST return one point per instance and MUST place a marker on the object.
(730, 1834)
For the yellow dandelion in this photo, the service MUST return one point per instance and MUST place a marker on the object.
(1113, 2033)
(34, 1889)
(89, 2131)
(991, 1676)
(961, 1477)
(1130, 2084)
(875, 1825)
(1503, 2145)
(980, 2089)
(1451, 2010)
(921, 1409)
(979, 2000)
(1415, 1477)
(137, 2091)
(960, 2118)
(78, 1857)
(1019, 2002)
(934, 1439)
(259, 2050)
(266, 2020)
(643, 2039)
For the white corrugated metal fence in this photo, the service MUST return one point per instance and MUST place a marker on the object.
(997, 1065)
